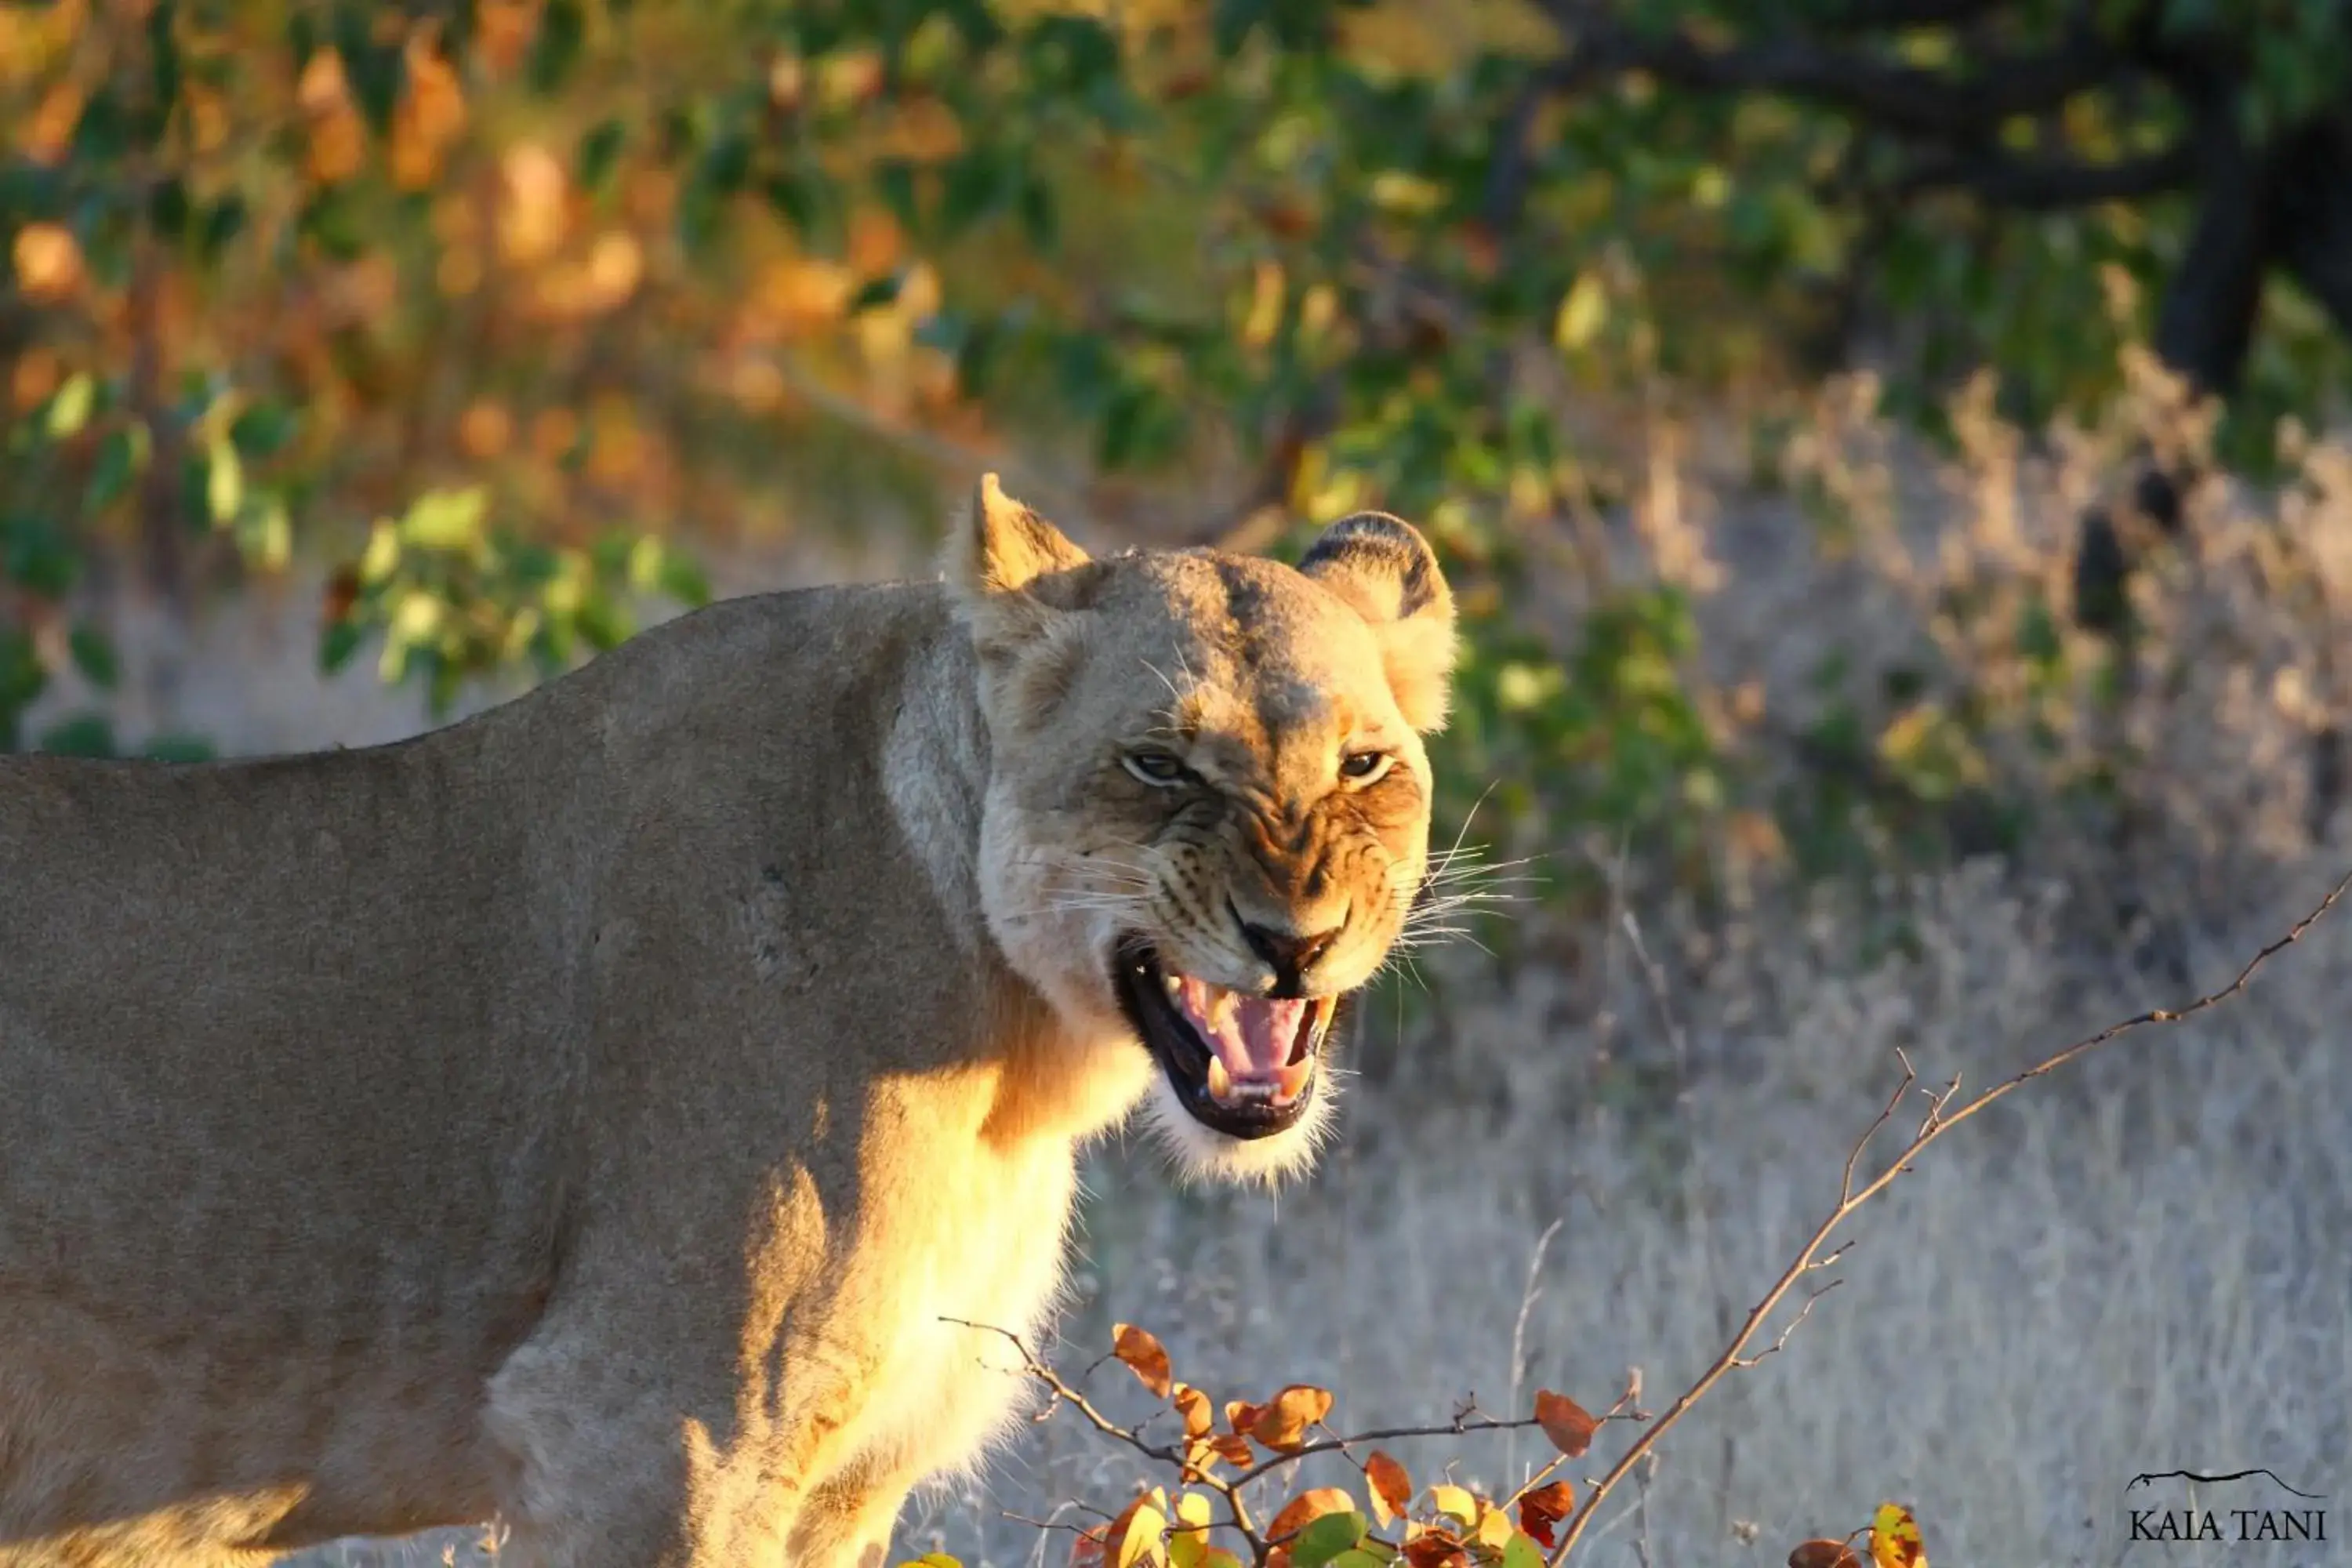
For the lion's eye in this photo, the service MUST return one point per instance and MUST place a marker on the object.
(1160, 769)
(1364, 767)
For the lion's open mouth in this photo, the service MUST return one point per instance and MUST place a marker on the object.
(1244, 1065)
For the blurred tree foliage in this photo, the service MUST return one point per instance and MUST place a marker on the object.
(475, 300)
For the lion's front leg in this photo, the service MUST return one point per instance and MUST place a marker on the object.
(598, 1467)
(846, 1521)
(607, 1458)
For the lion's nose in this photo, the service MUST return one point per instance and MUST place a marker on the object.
(1287, 953)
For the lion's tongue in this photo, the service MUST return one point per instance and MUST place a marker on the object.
(1252, 1036)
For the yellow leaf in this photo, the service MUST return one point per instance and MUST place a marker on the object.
(69, 410)
(224, 481)
(1895, 1540)
(1188, 1542)
(1141, 1541)
(1455, 1501)
(382, 553)
(1581, 313)
(1399, 191)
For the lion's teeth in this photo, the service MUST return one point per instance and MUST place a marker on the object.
(1290, 1080)
(1221, 1082)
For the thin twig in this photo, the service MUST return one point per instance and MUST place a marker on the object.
(1939, 1120)
(1064, 1392)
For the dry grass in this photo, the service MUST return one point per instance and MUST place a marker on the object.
(2139, 1268)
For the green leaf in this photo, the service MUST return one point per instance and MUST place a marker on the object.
(562, 29)
(93, 655)
(22, 680)
(1327, 1538)
(337, 643)
(894, 182)
(727, 165)
(1521, 1553)
(223, 222)
(168, 209)
(1232, 21)
(178, 749)
(876, 291)
(1041, 220)
(372, 67)
(84, 735)
(601, 623)
(972, 186)
(263, 429)
(331, 220)
(797, 199)
(599, 154)
(120, 456)
(36, 556)
(163, 63)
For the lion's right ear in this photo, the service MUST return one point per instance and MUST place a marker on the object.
(994, 560)
(1385, 571)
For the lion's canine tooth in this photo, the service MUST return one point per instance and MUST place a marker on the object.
(1221, 1082)
(1292, 1079)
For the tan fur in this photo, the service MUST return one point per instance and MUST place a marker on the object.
(590, 1112)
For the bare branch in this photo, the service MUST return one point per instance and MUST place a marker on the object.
(1911, 100)
(1898, 14)
(1064, 1392)
(1851, 1198)
(2038, 184)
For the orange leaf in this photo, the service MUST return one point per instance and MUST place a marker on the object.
(1434, 1549)
(1544, 1507)
(1565, 1422)
(1823, 1554)
(1391, 1488)
(1240, 1415)
(1305, 1508)
(1282, 1424)
(1194, 1405)
(1234, 1449)
(1143, 1355)
(342, 593)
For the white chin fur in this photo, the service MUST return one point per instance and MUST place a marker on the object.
(1201, 1154)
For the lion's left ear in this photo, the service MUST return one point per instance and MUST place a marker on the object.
(996, 559)
(1387, 572)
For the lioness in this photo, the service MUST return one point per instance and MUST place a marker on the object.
(593, 1112)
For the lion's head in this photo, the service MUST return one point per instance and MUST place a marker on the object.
(1208, 809)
